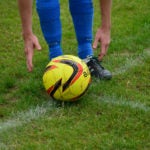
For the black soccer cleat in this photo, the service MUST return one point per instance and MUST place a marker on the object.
(96, 69)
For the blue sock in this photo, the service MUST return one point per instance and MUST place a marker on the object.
(49, 15)
(82, 15)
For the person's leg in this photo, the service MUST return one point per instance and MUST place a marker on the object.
(49, 15)
(82, 15)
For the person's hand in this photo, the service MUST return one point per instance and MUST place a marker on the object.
(30, 43)
(103, 37)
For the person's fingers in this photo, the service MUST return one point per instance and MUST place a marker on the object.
(95, 43)
(103, 52)
(31, 42)
(29, 55)
(37, 44)
(100, 56)
(29, 66)
(29, 59)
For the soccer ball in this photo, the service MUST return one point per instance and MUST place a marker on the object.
(66, 78)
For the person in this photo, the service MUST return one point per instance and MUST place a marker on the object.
(82, 16)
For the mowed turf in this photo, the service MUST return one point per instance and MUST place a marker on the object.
(112, 115)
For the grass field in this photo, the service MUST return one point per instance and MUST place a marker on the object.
(112, 115)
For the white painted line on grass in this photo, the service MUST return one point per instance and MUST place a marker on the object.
(130, 62)
(39, 111)
(3, 146)
(122, 102)
(22, 118)
(25, 117)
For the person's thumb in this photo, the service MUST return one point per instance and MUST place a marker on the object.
(95, 44)
(37, 44)
(103, 52)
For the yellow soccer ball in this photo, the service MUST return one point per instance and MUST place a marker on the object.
(66, 78)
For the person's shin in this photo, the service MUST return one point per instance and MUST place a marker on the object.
(49, 15)
(82, 15)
